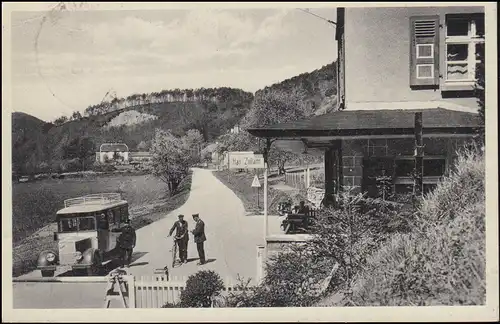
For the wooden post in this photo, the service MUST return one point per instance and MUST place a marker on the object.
(329, 199)
(260, 250)
(308, 183)
(265, 202)
(419, 156)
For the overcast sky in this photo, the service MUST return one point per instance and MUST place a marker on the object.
(81, 55)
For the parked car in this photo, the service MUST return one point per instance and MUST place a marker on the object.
(88, 230)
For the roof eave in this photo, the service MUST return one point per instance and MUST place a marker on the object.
(290, 133)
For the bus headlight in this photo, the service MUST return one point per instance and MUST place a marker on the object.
(51, 257)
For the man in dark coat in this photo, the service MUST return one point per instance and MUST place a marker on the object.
(126, 243)
(199, 237)
(181, 237)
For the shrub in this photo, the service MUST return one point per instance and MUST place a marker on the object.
(201, 289)
(103, 167)
(342, 240)
(73, 165)
(442, 261)
(171, 305)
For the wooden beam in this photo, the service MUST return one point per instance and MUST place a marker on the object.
(419, 155)
(324, 141)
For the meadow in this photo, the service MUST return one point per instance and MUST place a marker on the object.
(36, 203)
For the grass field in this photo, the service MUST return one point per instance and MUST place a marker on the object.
(35, 205)
(240, 184)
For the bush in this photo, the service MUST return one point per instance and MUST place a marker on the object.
(342, 240)
(103, 167)
(442, 261)
(72, 165)
(171, 305)
(201, 289)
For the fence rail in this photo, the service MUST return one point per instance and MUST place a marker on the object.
(156, 291)
(302, 179)
(96, 198)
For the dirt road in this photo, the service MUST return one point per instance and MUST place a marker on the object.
(231, 236)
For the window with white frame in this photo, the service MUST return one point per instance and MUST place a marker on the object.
(464, 33)
(434, 169)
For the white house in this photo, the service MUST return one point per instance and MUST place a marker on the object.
(107, 151)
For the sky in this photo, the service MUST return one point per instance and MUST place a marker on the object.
(65, 61)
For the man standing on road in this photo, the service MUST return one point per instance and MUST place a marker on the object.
(126, 243)
(181, 237)
(199, 237)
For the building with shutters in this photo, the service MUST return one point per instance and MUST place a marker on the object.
(392, 64)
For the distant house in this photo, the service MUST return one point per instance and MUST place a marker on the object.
(139, 157)
(235, 130)
(111, 151)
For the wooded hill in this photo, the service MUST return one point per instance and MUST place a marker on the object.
(39, 146)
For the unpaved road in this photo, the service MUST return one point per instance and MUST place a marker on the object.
(230, 248)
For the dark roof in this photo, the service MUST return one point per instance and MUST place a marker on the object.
(373, 122)
(114, 147)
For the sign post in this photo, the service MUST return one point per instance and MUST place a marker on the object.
(245, 160)
(256, 184)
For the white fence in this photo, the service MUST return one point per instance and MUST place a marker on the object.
(139, 292)
(156, 291)
(303, 179)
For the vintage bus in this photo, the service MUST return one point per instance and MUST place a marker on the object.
(87, 231)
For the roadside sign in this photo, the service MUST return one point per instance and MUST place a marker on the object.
(255, 183)
(245, 160)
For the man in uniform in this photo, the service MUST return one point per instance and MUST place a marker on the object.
(181, 237)
(126, 243)
(199, 237)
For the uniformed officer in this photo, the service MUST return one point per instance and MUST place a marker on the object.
(199, 237)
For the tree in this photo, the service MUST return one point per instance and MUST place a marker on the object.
(79, 148)
(143, 146)
(275, 107)
(193, 142)
(61, 120)
(232, 142)
(76, 115)
(279, 157)
(170, 159)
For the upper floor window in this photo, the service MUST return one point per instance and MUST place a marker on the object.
(464, 35)
(444, 50)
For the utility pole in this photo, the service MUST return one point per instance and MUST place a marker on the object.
(419, 156)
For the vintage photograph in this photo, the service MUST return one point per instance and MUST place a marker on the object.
(282, 156)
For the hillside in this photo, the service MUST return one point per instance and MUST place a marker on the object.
(40, 146)
(27, 148)
(37, 143)
(318, 88)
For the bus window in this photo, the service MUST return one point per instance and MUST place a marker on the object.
(124, 213)
(117, 215)
(68, 225)
(86, 224)
(110, 217)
